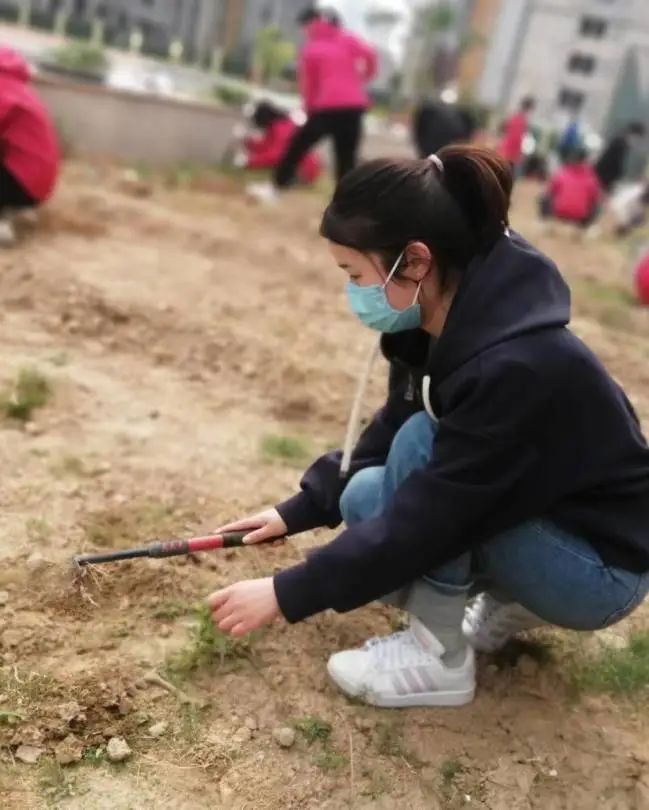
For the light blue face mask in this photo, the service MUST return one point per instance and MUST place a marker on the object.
(371, 306)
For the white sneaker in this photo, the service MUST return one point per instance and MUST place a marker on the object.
(263, 192)
(404, 669)
(7, 233)
(489, 624)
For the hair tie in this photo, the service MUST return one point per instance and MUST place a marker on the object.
(437, 162)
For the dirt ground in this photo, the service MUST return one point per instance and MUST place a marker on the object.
(179, 331)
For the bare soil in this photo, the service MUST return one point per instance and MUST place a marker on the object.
(179, 327)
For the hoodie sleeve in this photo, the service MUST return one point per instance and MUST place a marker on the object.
(465, 494)
(317, 504)
(367, 58)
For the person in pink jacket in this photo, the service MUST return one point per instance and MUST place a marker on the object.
(29, 152)
(334, 69)
(574, 193)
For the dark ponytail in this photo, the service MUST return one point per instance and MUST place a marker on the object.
(458, 212)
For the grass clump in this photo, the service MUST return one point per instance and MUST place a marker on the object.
(330, 760)
(207, 646)
(617, 672)
(54, 782)
(29, 391)
(450, 769)
(314, 729)
(290, 449)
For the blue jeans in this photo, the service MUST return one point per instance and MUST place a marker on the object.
(557, 576)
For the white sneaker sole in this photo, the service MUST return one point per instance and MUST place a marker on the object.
(446, 698)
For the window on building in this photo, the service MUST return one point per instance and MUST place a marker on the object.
(571, 99)
(581, 63)
(595, 27)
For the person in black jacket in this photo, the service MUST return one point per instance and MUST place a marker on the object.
(505, 460)
(611, 164)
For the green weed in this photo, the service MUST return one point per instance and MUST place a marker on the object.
(616, 672)
(329, 760)
(207, 646)
(285, 448)
(313, 729)
(450, 769)
(30, 391)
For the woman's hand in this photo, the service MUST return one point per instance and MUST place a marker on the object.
(245, 606)
(263, 526)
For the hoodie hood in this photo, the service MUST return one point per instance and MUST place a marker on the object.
(512, 291)
(321, 29)
(12, 64)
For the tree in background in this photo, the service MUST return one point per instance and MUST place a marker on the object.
(272, 55)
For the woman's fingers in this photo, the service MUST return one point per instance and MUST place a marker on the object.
(229, 622)
(218, 598)
(240, 525)
(259, 535)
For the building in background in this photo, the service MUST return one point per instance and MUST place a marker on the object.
(481, 18)
(198, 25)
(571, 55)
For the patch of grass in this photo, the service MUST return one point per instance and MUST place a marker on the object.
(191, 719)
(329, 760)
(55, 783)
(389, 743)
(10, 718)
(60, 359)
(29, 391)
(38, 530)
(94, 755)
(172, 610)
(314, 729)
(450, 769)
(207, 646)
(289, 449)
(24, 689)
(616, 672)
(70, 465)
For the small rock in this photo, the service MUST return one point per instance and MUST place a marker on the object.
(117, 749)
(284, 737)
(33, 429)
(11, 638)
(124, 706)
(158, 729)
(36, 562)
(227, 793)
(242, 735)
(527, 666)
(164, 631)
(553, 772)
(364, 723)
(4, 598)
(251, 723)
(155, 414)
(29, 754)
(69, 750)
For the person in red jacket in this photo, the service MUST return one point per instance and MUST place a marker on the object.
(574, 194)
(29, 153)
(514, 132)
(266, 150)
(335, 67)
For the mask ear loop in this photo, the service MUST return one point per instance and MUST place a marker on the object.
(395, 267)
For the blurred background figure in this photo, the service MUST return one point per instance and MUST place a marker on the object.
(29, 154)
(628, 207)
(611, 166)
(334, 69)
(574, 193)
(515, 129)
(437, 124)
(642, 279)
(265, 150)
(570, 140)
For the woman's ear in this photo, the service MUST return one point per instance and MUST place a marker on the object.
(419, 261)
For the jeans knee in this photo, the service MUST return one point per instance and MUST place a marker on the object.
(362, 495)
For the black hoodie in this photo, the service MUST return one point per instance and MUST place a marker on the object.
(530, 425)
